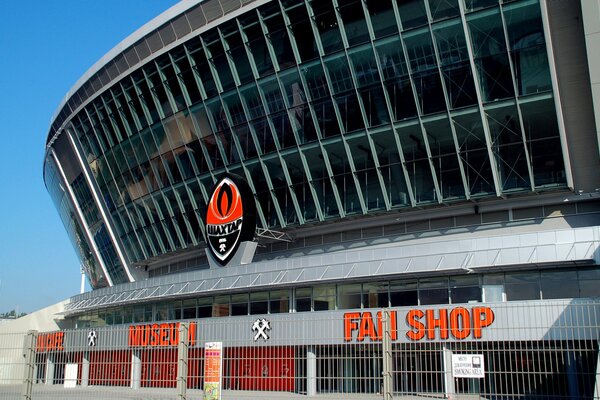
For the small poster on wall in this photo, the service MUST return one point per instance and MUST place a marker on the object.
(468, 366)
(213, 367)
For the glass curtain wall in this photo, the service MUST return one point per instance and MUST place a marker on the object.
(329, 108)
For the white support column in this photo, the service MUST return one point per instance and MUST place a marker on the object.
(136, 369)
(311, 371)
(84, 224)
(182, 361)
(449, 388)
(50, 366)
(101, 207)
(85, 369)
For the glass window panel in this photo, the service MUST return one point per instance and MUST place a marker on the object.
(279, 301)
(349, 296)
(374, 105)
(324, 298)
(303, 299)
(493, 293)
(220, 307)
(237, 53)
(471, 5)
(508, 148)
(355, 25)
(202, 71)
(412, 13)
(300, 185)
(252, 102)
(272, 93)
(205, 307)
(527, 45)
(391, 58)
(543, 142)
(391, 168)
(342, 174)
(445, 162)
(426, 76)
(433, 296)
(364, 66)
(465, 294)
(189, 309)
(441, 9)
(456, 68)
(559, 284)
(403, 293)
(259, 49)
(473, 153)
(326, 118)
(350, 113)
(339, 74)
(280, 41)
(316, 81)
(522, 286)
(303, 33)
(375, 295)
(382, 16)
(327, 25)
(490, 55)
(417, 164)
(239, 304)
(221, 65)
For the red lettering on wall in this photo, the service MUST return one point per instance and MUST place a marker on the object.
(412, 319)
(366, 327)
(50, 342)
(461, 321)
(159, 335)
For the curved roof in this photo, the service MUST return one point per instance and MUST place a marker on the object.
(161, 32)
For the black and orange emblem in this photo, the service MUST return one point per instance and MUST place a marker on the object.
(230, 218)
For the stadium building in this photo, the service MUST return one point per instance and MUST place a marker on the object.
(277, 173)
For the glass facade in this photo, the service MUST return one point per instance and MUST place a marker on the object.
(329, 108)
(455, 289)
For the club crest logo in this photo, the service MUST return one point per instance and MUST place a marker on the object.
(230, 218)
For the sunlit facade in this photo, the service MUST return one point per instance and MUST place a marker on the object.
(400, 153)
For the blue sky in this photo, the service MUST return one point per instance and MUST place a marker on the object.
(45, 46)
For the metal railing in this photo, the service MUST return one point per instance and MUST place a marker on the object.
(528, 350)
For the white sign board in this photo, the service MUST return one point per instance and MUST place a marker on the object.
(468, 366)
(70, 375)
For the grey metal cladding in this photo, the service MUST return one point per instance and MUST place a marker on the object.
(154, 43)
(131, 55)
(103, 77)
(181, 26)
(121, 63)
(230, 5)
(96, 83)
(112, 70)
(212, 10)
(167, 34)
(196, 17)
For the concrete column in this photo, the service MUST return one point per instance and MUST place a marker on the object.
(50, 366)
(311, 371)
(136, 369)
(85, 369)
(448, 378)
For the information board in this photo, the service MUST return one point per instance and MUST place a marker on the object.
(468, 366)
(213, 366)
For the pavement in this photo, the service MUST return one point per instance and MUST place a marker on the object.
(43, 392)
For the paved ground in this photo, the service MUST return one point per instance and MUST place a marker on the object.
(41, 392)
